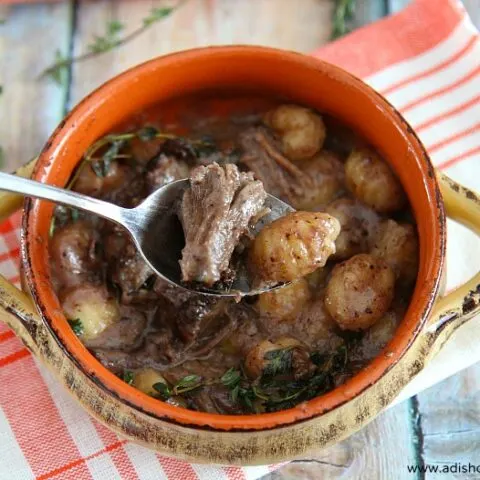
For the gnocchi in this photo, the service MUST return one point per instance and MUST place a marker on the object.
(359, 292)
(358, 226)
(145, 379)
(397, 244)
(286, 303)
(293, 246)
(93, 306)
(373, 182)
(301, 130)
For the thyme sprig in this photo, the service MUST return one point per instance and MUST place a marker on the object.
(271, 392)
(110, 40)
(112, 145)
(343, 12)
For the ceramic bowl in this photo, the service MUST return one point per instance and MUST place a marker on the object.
(36, 316)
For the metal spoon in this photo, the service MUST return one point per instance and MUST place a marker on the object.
(153, 225)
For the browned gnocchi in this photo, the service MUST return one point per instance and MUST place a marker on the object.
(286, 303)
(397, 244)
(373, 182)
(302, 131)
(358, 226)
(293, 246)
(359, 292)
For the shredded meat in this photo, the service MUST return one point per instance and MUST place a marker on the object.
(215, 212)
(262, 155)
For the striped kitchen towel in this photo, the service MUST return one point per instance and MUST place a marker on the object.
(426, 61)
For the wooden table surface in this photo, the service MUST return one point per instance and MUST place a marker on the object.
(438, 426)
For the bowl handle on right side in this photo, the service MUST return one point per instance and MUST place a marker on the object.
(454, 309)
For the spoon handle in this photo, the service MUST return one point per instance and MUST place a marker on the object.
(32, 188)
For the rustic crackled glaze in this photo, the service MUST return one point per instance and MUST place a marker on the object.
(245, 439)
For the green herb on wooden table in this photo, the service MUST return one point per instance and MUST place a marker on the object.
(342, 14)
(110, 40)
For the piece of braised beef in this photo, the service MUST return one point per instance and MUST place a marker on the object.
(262, 155)
(215, 212)
(126, 334)
(164, 169)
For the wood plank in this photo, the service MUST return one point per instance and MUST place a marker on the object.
(473, 9)
(395, 6)
(30, 108)
(449, 415)
(381, 450)
(301, 26)
(367, 11)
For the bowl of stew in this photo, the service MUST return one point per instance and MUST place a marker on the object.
(256, 379)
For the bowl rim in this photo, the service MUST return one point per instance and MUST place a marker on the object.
(35, 269)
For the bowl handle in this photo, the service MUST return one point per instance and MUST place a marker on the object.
(19, 313)
(16, 308)
(454, 309)
(10, 202)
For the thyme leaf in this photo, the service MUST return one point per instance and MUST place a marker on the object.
(343, 12)
(157, 14)
(128, 377)
(279, 361)
(231, 378)
(163, 390)
(186, 384)
(76, 326)
(110, 40)
(147, 133)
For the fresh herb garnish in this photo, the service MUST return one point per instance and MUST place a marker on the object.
(272, 391)
(63, 215)
(231, 378)
(110, 40)
(76, 326)
(128, 377)
(279, 362)
(186, 384)
(343, 12)
(163, 390)
(147, 133)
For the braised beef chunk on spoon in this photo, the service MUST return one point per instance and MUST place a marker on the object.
(216, 211)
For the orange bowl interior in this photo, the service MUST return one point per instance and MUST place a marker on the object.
(275, 73)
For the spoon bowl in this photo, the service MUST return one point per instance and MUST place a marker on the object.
(153, 226)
